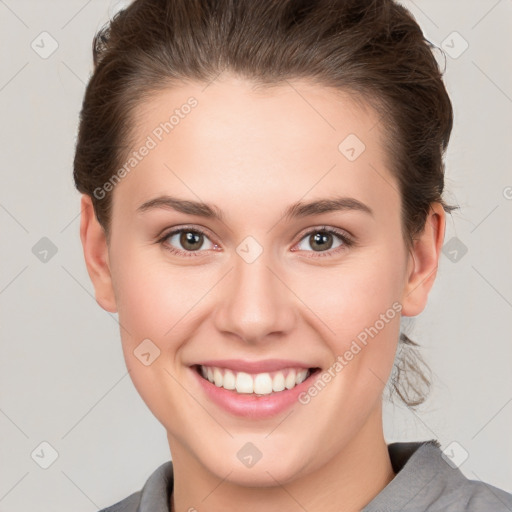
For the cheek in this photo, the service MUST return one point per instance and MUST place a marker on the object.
(352, 296)
(154, 299)
(161, 302)
(357, 309)
(154, 304)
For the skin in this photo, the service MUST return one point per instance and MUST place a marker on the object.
(253, 153)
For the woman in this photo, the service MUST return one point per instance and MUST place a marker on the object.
(262, 202)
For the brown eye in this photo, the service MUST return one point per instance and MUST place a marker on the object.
(324, 239)
(191, 240)
(186, 240)
(321, 241)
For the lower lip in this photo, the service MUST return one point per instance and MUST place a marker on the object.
(250, 405)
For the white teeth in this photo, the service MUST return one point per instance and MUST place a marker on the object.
(244, 383)
(263, 384)
(229, 380)
(260, 384)
(301, 376)
(278, 382)
(217, 377)
(290, 380)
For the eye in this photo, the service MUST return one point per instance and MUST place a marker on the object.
(188, 240)
(321, 240)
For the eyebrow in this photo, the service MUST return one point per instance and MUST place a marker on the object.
(296, 210)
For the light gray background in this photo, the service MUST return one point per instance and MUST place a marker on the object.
(63, 377)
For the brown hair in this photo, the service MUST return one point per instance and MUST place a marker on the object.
(373, 49)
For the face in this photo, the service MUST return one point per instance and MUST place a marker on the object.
(261, 289)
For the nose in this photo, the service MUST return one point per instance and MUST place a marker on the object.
(256, 302)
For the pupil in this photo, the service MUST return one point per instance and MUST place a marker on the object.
(188, 239)
(321, 239)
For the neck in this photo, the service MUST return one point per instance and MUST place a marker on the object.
(346, 482)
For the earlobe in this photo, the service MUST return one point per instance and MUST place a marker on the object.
(94, 244)
(423, 262)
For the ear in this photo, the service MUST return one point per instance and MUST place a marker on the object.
(95, 248)
(423, 262)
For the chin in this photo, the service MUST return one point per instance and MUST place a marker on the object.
(278, 467)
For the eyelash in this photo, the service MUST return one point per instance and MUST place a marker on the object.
(347, 240)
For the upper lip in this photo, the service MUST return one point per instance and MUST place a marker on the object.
(267, 365)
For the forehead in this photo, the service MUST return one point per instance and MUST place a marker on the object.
(229, 142)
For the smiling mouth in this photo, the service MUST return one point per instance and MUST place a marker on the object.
(257, 384)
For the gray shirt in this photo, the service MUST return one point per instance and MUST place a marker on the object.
(424, 481)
